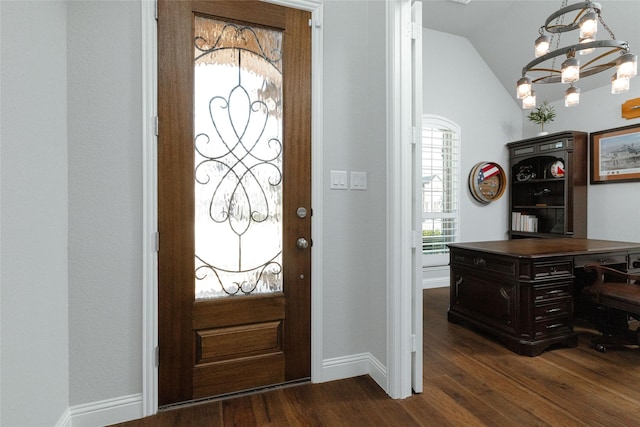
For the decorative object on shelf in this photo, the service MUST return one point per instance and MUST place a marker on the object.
(525, 173)
(487, 182)
(543, 68)
(557, 169)
(543, 114)
(541, 193)
(631, 109)
(615, 155)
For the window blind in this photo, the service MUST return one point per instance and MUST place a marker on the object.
(440, 178)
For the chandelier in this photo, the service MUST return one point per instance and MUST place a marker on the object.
(595, 55)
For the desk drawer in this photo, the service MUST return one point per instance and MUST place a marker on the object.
(552, 269)
(602, 259)
(543, 312)
(480, 262)
(554, 291)
(552, 327)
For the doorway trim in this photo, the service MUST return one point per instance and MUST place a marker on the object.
(401, 236)
(150, 203)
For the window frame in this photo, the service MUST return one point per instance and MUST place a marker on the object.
(434, 121)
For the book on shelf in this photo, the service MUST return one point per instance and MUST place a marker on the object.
(524, 222)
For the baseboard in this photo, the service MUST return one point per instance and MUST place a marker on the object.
(65, 419)
(355, 365)
(126, 408)
(435, 277)
(110, 411)
(436, 282)
(378, 372)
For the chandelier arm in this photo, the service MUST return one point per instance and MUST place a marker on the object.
(547, 78)
(550, 70)
(576, 47)
(576, 20)
(599, 57)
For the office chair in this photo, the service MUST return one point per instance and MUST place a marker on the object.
(616, 298)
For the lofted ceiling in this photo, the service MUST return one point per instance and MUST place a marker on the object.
(503, 33)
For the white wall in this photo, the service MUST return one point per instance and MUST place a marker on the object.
(459, 85)
(33, 188)
(612, 208)
(105, 199)
(354, 252)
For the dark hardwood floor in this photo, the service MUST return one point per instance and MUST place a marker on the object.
(469, 380)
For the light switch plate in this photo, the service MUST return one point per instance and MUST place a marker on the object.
(358, 180)
(338, 180)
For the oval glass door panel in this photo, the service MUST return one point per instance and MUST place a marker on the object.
(238, 159)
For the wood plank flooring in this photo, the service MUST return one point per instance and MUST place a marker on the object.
(469, 380)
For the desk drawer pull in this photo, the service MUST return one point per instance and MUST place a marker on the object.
(554, 326)
(552, 310)
(555, 291)
(479, 262)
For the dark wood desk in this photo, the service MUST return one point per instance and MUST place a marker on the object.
(523, 291)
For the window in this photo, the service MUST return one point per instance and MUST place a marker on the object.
(440, 188)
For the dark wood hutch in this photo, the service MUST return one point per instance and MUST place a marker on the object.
(548, 186)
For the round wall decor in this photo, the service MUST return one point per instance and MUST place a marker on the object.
(557, 169)
(487, 182)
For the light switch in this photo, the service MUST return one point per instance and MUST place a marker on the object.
(358, 180)
(338, 180)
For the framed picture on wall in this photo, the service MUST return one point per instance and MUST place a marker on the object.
(615, 155)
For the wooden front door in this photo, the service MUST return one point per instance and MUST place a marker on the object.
(234, 195)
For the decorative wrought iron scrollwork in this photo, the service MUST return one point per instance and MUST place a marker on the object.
(239, 158)
(235, 33)
(263, 278)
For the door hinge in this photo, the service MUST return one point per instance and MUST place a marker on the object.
(157, 241)
(414, 30)
(413, 343)
(415, 134)
(156, 126)
(156, 9)
(157, 356)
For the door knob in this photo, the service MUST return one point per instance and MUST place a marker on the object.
(302, 243)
